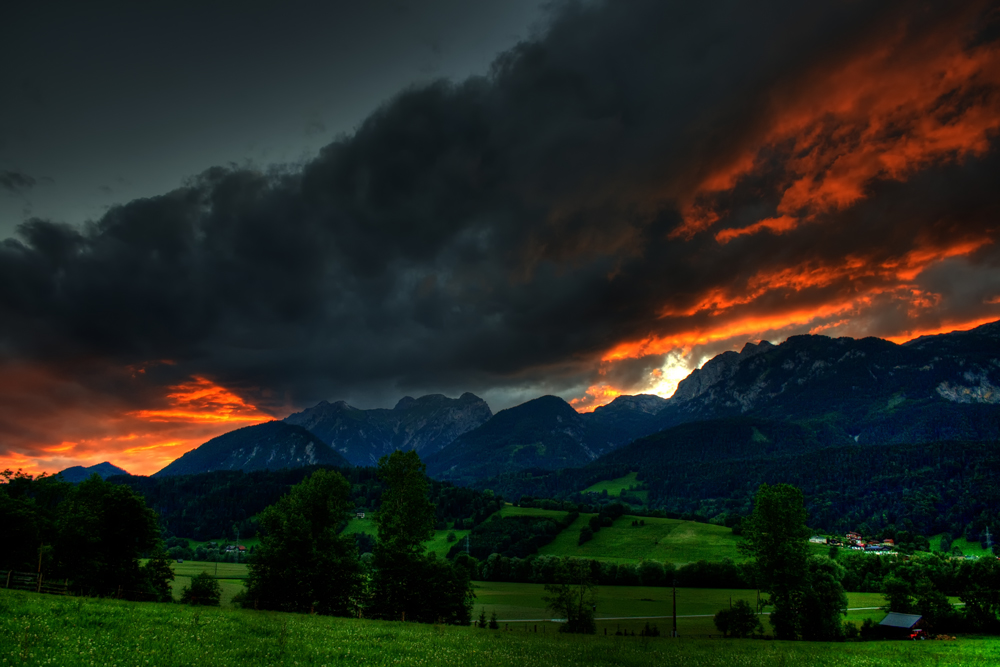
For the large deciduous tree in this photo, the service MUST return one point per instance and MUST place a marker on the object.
(406, 584)
(302, 563)
(573, 597)
(102, 531)
(806, 593)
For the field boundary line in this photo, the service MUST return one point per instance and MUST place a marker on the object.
(641, 618)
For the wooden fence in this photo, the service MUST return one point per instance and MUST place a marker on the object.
(35, 581)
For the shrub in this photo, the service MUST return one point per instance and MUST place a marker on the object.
(204, 590)
(739, 621)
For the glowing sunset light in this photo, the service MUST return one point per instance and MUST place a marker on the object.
(143, 441)
(942, 329)
(595, 397)
(203, 401)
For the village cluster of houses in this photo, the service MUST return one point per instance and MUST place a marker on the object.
(229, 548)
(856, 542)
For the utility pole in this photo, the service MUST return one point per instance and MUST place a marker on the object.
(675, 611)
(989, 540)
(467, 544)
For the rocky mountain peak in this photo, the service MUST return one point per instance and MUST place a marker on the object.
(719, 368)
(405, 402)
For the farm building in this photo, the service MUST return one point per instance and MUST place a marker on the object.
(902, 626)
(817, 539)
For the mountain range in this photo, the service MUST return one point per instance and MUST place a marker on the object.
(425, 425)
(77, 474)
(831, 391)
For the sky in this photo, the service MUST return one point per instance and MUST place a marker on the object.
(214, 214)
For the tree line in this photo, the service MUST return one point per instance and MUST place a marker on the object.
(807, 592)
(92, 534)
(304, 563)
(213, 505)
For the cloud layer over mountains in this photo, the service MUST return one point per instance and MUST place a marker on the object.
(646, 184)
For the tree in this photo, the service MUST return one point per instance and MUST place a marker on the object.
(775, 538)
(494, 625)
(405, 519)
(933, 606)
(806, 593)
(981, 594)
(157, 575)
(302, 563)
(739, 621)
(897, 594)
(822, 600)
(573, 597)
(103, 530)
(482, 619)
(407, 584)
(204, 590)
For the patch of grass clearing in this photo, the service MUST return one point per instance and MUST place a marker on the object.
(664, 540)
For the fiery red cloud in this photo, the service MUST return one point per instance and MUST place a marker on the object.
(883, 113)
(85, 427)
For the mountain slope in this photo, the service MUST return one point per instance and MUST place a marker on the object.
(77, 474)
(270, 446)
(423, 424)
(543, 433)
(628, 417)
(871, 390)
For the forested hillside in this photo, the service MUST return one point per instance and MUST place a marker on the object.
(209, 505)
(713, 468)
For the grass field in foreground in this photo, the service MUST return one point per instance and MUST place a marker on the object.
(38, 630)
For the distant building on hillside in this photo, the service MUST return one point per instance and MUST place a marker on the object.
(817, 539)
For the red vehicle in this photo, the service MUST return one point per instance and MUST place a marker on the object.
(918, 633)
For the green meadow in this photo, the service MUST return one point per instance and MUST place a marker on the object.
(230, 576)
(665, 540)
(614, 487)
(619, 607)
(631, 607)
(968, 548)
(39, 630)
(512, 510)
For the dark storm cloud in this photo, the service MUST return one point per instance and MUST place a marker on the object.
(501, 232)
(19, 183)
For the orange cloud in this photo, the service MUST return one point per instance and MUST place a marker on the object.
(85, 427)
(202, 401)
(962, 325)
(595, 397)
(884, 113)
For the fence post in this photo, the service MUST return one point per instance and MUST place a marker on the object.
(10, 572)
(39, 582)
